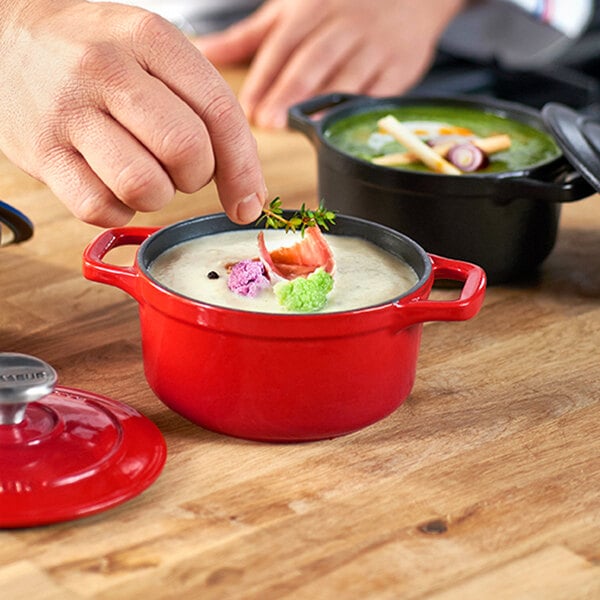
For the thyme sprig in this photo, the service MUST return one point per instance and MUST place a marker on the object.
(301, 219)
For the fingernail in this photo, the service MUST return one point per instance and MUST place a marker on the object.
(249, 209)
(271, 119)
(246, 107)
(279, 119)
(246, 103)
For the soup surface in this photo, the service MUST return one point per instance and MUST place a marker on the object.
(358, 135)
(365, 274)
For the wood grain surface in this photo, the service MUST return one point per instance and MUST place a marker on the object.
(485, 484)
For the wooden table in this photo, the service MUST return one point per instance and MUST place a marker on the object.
(484, 484)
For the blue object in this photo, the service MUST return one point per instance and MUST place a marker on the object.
(20, 226)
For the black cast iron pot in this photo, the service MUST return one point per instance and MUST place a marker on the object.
(505, 222)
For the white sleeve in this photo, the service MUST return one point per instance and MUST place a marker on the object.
(570, 17)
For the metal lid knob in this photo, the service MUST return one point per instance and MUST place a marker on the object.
(23, 379)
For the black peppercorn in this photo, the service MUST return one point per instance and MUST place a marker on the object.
(213, 275)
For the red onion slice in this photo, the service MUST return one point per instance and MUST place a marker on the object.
(468, 157)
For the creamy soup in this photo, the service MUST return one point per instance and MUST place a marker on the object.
(364, 275)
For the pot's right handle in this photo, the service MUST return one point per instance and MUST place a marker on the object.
(299, 114)
(570, 187)
(94, 267)
(466, 306)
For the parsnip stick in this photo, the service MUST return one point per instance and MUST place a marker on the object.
(413, 143)
(407, 158)
(494, 143)
(490, 145)
(395, 159)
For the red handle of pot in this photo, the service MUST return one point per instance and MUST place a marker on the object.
(94, 267)
(465, 307)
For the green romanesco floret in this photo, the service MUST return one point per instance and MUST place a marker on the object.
(305, 294)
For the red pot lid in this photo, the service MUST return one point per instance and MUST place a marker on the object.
(578, 135)
(66, 453)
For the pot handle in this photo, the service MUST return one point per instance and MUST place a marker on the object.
(299, 114)
(570, 187)
(20, 226)
(94, 267)
(466, 306)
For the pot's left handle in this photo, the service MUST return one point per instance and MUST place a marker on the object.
(466, 306)
(299, 115)
(94, 267)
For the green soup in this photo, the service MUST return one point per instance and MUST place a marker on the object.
(358, 135)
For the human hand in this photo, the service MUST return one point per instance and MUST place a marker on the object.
(114, 109)
(308, 47)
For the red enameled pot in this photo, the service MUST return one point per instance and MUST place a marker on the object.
(281, 377)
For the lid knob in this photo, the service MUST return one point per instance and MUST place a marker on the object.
(23, 379)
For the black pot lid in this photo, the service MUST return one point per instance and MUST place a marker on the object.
(578, 135)
(66, 453)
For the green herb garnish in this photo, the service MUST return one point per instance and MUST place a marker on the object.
(301, 219)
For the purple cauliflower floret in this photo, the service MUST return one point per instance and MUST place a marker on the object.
(247, 278)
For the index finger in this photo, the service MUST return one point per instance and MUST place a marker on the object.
(174, 60)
